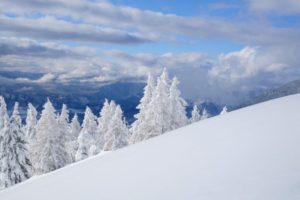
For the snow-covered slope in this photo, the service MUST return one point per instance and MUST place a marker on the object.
(252, 153)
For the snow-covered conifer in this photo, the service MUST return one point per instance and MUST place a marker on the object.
(205, 114)
(64, 125)
(164, 77)
(49, 150)
(31, 121)
(177, 104)
(141, 126)
(75, 127)
(3, 112)
(86, 136)
(112, 107)
(93, 150)
(107, 136)
(159, 117)
(4, 128)
(72, 144)
(195, 114)
(63, 120)
(103, 122)
(118, 132)
(15, 165)
(30, 128)
(224, 111)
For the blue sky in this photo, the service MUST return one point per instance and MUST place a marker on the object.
(184, 8)
(228, 47)
(191, 8)
(229, 10)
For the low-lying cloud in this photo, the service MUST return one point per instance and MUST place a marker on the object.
(201, 75)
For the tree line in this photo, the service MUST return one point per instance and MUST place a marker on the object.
(52, 141)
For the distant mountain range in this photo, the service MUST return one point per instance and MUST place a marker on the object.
(284, 90)
(76, 96)
(127, 93)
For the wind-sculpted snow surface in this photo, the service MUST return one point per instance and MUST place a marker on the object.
(252, 153)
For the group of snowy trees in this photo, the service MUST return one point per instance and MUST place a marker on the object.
(51, 141)
(15, 164)
(106, 133)
(161, 109)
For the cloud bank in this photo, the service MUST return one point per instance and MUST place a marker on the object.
(70, 41)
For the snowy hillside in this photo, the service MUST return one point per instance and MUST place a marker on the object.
(252, 153)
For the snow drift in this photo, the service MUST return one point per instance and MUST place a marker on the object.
(252, 153)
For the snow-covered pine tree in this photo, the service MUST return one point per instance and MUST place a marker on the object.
(159, 116)
(118, 131)
(195, 114)
(86, 138)
(107, 137)
(224, 110)
(31, 121)
(63, 120)
(15, 165)
(140, 126)
(30, 128)
(49, 150)
(3, 112)
(72, 144)
(103, 122)
(164, 77)
(64, 125)
(178, 105)
(75, 127)
(4, 127)
(205, 114)
(112, 107)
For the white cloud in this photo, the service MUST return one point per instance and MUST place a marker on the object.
(101, 21)
(236, 65)
(50, 28)
(285, 7)
(246, 63)
(46, 78)
(251, 69)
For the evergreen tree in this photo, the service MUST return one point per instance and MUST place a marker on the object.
(30, 128)
(112, 107)
(72, 144)
(4, 128)
(49, 150)
(103, 123)
(63, 121)
(205, 114)
(64, 125)
(75, 127)
(195, 114)
(107, 136)
(164, 77)
(159, 116)
(117, 131)
(140, 126)
(15, 165)
(86, 138)
(31, 121)
(178, 105)
(224, 111)
(3, 112)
